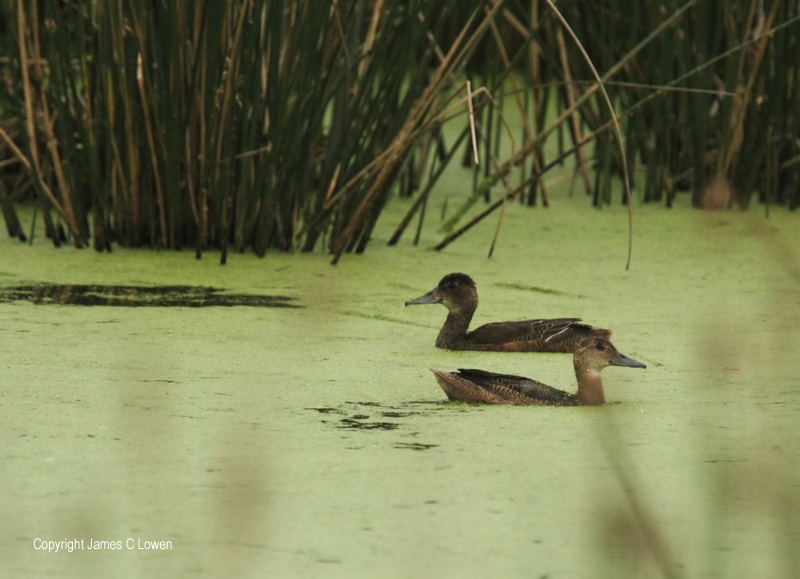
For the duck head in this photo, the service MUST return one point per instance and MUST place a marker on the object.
(455, 291)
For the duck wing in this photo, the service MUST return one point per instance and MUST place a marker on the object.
(552, 335)
(517, 389)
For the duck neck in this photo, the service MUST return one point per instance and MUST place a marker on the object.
(590, 387)
(454, 330)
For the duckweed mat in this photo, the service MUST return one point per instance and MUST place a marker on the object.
(138, 296)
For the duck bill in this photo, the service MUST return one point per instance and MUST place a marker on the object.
(623, 360)
(432, 297)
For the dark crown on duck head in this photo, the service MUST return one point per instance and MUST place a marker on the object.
(453, 280)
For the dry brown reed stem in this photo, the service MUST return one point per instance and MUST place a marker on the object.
(471, 113)
(391, 155)
(525, 124)
(64, 208)
(582, 166)
(231, 74)
(129, 202)
(738, 120)
(370, 40)
(710, 155)
(617, 132)
(19, 156)
(408, 133)
(148, 129)
(422, 198)
(542, 134)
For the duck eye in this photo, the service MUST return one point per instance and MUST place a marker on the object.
(600, 346)
(453, 284)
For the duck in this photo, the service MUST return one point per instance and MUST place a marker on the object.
(457, 292)
(590, 357)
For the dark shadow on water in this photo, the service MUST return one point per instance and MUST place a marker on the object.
(370, 417)
(139, 296)
(414, 446)
(354, 416)
(363, 424)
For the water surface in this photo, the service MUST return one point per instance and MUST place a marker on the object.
(314, 441)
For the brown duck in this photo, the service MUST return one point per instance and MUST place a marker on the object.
(591, 356)
(457, 293)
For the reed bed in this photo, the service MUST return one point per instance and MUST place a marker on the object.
(276, 125)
